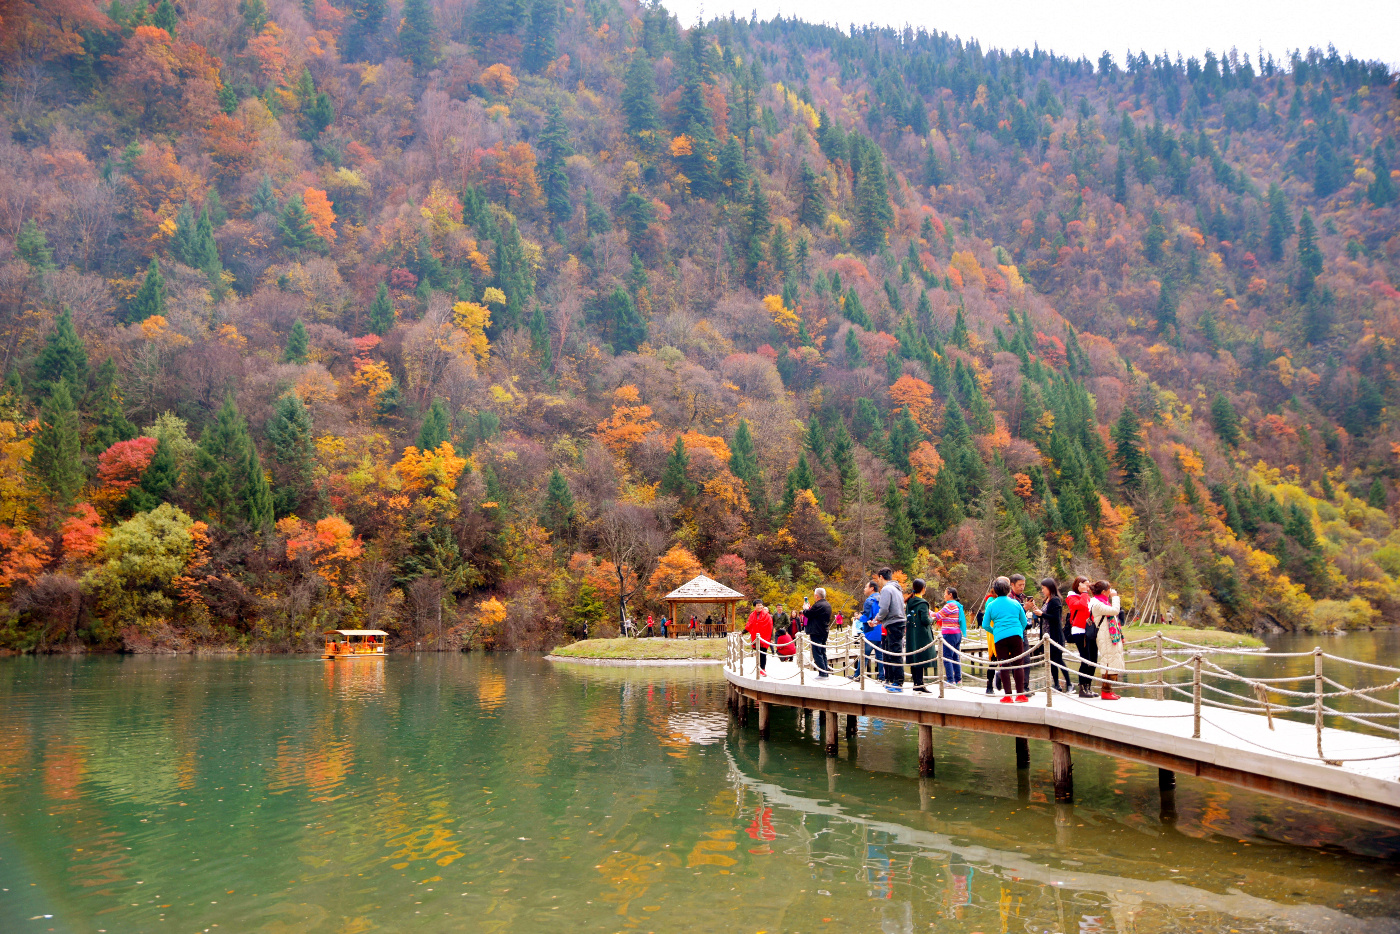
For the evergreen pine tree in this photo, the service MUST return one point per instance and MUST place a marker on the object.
(56, 463)
(33, 247)
(629, 328)
(320, 115)
(158, 481)
(264, 200)
(293, 456)
(801, 477)
(105, 405)
(1309, 255)
(595, 214)
(298, 345)
(227, 479)
(63, 357)
(554, 144)
(733, 169)
(781, 252)
(559, 514)
(540, 344)
(934, 173)
(418, 35)
(898, 528)
(866, 423)
(1280, 222)
(1128, 449)
(514, 278)
(1376, 497)
(1226, 420)
(381, 312)
(165, 18)
(639, 97)
(295, 227)
(539, 37)
(855, 357)
(815, 441)
(1166, 307)
(1120, 180)
(1154, 238)
(855, 310)
(812, 206)
(436, 428)
(874, 214)
(1382, 191)
(150, 297)
(959, 337)
(904, 437)
(843, 453)
(674, 481)
(743, 463)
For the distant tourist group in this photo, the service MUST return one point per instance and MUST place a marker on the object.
(899, 630)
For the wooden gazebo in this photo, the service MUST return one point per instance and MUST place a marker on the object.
(704, 590)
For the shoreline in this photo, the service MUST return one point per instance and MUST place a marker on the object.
(638, 662)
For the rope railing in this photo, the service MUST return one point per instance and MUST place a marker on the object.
(1256, 695)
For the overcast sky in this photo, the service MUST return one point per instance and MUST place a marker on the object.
(1368, 29)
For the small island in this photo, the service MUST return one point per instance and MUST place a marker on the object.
(1212, 638)
(643, 651)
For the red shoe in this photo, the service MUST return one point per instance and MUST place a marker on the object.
(1006, 699)
(1109, 695)
(1022, 699)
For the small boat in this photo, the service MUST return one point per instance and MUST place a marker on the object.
(355, 643)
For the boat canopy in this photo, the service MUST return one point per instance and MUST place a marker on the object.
(356, 632)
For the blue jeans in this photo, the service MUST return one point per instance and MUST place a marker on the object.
(873, 651)
(952, 667)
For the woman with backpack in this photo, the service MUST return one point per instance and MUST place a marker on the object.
(1103, 607)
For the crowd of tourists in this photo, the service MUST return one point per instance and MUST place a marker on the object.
(899, 630)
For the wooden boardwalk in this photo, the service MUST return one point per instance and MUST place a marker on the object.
(1236, 747)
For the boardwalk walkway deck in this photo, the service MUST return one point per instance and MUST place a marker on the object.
(1274, 755)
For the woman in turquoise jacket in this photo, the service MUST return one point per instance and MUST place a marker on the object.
(1005, 619)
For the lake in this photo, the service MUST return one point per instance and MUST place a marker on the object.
(507, 793)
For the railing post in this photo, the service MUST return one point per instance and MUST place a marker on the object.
(1196, 695)
(1317, 701)
(938, 662)
(1161, 663)
(1049, 682)
(801, 671)
(860, 661)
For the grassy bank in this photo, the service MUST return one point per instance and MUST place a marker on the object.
(1214, 638)
(643, 649)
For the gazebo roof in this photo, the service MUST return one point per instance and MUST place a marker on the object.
(704, 590)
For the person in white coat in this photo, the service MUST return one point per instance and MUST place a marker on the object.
(1103, 607)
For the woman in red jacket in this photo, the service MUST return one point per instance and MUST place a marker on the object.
(1082, 633)
(760, 630)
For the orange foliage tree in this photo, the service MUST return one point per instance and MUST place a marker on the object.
(318, 209)
(675, 567)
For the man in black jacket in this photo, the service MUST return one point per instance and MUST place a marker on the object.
(818, 629)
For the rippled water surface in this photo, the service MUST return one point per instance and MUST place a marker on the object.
(469, 793)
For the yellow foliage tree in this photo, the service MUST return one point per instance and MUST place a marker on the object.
(474, 319)
(971, 270)
(784, 318)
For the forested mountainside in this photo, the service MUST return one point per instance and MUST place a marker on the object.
(458, 319)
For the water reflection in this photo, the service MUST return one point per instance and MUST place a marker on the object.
(1045, 880)
(506, 794)
(354, 679)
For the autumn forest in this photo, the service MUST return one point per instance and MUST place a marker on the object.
(476, 322)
